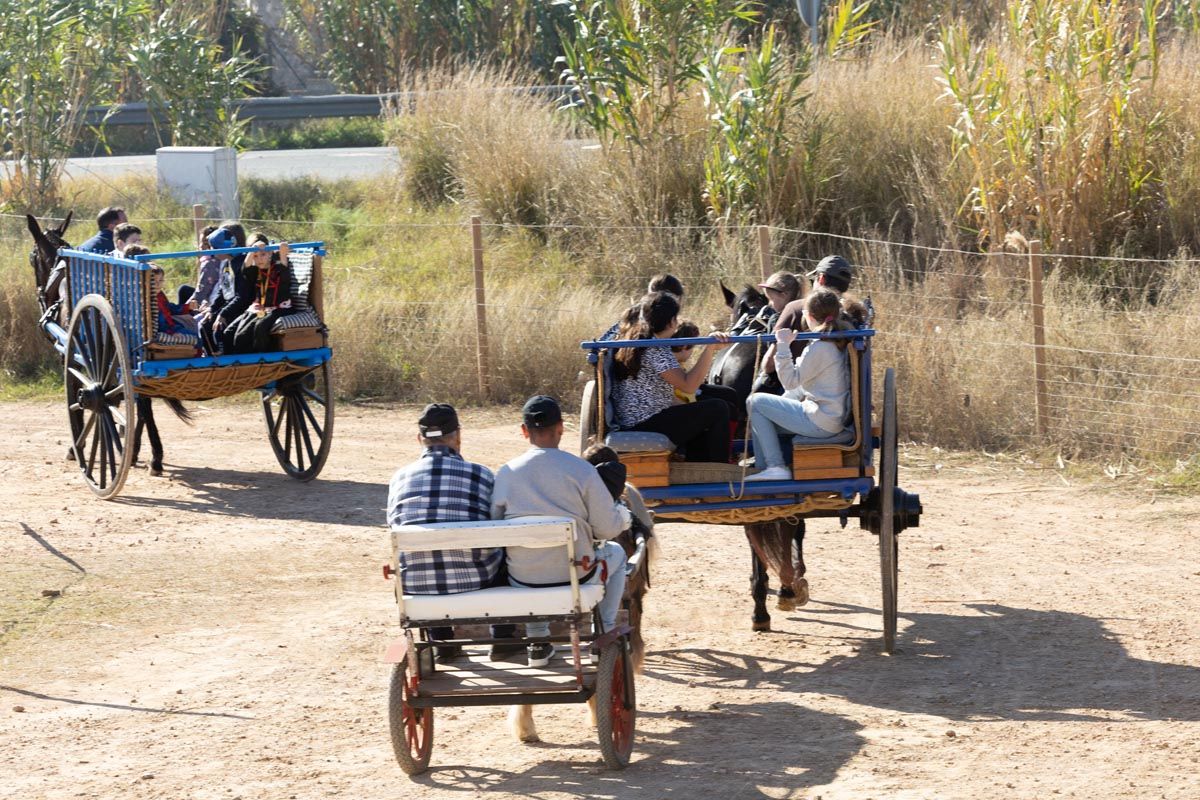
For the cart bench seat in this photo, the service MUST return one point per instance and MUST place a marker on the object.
(502, 601)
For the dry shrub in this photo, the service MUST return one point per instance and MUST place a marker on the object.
(466, 133)
(24, 351)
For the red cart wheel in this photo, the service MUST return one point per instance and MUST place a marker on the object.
(616, 706)
(411, 728)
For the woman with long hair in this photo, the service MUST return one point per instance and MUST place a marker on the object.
(816, 387)
(647, 377)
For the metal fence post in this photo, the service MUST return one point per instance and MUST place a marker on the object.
(485, 381)
(764, 250)
(1039, 337)
(197, 222)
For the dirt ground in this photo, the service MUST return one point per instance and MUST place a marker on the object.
(219, 635)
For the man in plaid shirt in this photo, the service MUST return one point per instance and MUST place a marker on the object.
(442, 486)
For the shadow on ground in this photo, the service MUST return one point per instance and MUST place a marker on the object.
(1002, 663)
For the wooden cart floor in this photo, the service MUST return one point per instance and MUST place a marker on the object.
(476, 674)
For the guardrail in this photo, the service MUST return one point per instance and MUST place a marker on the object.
(299, 107)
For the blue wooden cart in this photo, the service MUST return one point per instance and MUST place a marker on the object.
(833, 478)
(112, 351)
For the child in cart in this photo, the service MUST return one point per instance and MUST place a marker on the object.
(176, 325)
(269, 277)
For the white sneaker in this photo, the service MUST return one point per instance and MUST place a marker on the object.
(771, 474)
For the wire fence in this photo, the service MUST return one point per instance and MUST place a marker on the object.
(1095, 357)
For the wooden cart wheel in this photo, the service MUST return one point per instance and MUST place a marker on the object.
(888, 549)
(99, 390)
(299, 416)
(411, 728)
(587, 416)
(616, 706)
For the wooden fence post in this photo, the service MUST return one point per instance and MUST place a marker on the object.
(764, 251)
(197, 222)
(1039, 338)
(485, 381)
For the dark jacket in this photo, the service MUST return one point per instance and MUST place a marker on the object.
(245, 280)
(101, 243)
(276, 288)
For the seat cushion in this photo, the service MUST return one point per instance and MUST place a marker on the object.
(301, 263)
(638, 442)
(845, 437)
(181, 337)
(297, 319)
(502, 601)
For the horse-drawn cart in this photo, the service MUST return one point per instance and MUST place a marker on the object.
(598, 667)
(112, 351)
(835, 478)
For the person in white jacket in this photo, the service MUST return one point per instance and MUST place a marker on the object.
(816, 389)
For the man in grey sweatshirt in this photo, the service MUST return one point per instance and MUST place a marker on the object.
(547, 481)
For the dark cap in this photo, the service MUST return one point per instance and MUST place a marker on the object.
(613, 473)
(784, 282)
(836, 268)
(438, 419)
(541, 411)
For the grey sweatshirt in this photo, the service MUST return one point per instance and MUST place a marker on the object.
(820, 379)
(548, 481)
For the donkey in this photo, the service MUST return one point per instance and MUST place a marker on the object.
(48, 275)
(771, 543)
(638, 538)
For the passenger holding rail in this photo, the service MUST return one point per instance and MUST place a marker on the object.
(816, 386)
(442, 486)
(547, 481)
(647, 377)
(269, 279)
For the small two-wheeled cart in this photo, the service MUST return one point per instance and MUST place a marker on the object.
(113, 351)
(597, 665)
(835, 477)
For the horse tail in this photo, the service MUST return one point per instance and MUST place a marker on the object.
(180, 409)
(772, 541)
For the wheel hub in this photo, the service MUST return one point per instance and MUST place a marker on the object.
(91, 397)
(906, 511)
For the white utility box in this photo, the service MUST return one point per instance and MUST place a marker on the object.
(204, 175)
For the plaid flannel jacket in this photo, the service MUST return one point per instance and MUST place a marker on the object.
(442, 486)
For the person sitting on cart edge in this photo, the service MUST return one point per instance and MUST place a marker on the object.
(547, 481)
(269, 278)
(229, 234)
(816, 399)
(102, 243)
(647, 377)
(442, 486)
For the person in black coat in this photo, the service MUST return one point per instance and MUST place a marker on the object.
(267, 279)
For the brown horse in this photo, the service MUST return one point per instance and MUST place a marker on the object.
(776, 546)
(48, 274)
(641, 548)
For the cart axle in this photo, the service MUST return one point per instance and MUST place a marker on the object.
(906, 512)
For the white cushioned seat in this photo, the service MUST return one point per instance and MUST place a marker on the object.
(503, 601)
(638, 442)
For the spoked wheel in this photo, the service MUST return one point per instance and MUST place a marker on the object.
(99, 396)
(587, 416)
(616, 706)
(411, 728)
(888, 548)
(299, 415)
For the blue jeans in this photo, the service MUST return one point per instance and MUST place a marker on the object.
(614, 555)
(773, 415)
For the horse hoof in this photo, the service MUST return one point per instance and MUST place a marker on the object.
(786, 602)
(800, 589)
(155, 472)
(763, 625)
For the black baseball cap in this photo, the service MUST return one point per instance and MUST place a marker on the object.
(438, 419)
(836, 268)
(541, 411)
